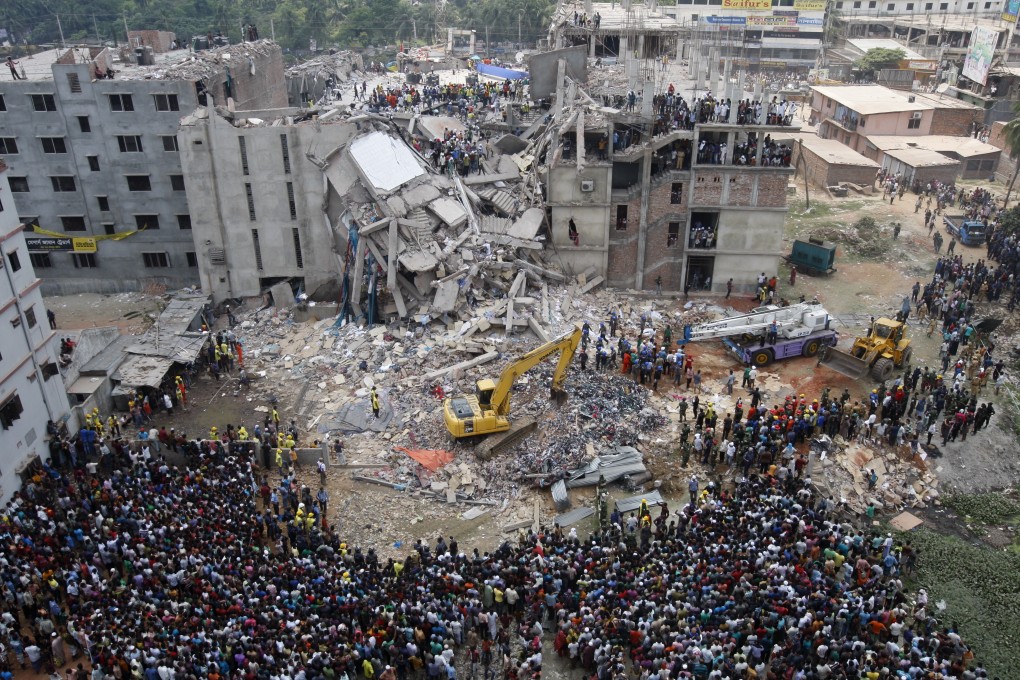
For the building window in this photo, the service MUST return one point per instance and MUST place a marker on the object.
(297, 249)
(910, 7)
(40, 260)
(873, 4)
(839, 5)
(63, 183)
(138, 183)
(927, 6)
(30, 221)
(192, 259)
(943, 6)
(93, 163)
(258, 248)
(243, 146)
(83, 123)
(121, 102)
(890, 7)
(109, 229)
(49, 369)
(53, 144)
(170, 143)
(130, 143)
(10, 411)
(8, 146)
(72, 222)
(285, 148)
(166, 102)
(857, 5)
(147, 221)
(177, 182)
(676, 193)
(104, 203)
(19, 185)
(914, 124)
(84, 260)
(30, 317)
(672, 234)
(290, 200)
(621, 218)
(3, 103)
(14, 260)
(156, 260)
(184, 222)
(251, 201)
(44, 102)
(970, 5)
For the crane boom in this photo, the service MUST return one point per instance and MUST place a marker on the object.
(793, 321)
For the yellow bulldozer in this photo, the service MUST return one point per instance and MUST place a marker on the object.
(884, 349)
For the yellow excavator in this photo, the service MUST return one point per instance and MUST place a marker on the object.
(884, 349)
(488, 410)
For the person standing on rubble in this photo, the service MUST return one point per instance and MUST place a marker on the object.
(375, 403)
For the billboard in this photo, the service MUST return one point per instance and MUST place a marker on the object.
(979, 56)
(60, 244)
(1012, 11)
(747, 4)
(731, 20)
(810, 5)
(770, 20)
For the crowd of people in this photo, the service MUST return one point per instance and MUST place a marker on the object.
(169, 571)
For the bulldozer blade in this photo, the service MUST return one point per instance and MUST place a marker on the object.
(495, 443)
(845, 363)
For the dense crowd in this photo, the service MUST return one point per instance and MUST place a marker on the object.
(162, 571)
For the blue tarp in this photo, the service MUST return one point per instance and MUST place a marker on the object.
(497, 72)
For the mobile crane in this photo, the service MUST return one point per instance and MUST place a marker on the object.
(487, 411)
(801, 330)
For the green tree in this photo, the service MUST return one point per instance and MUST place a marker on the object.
(878, 58)
(1011, 135)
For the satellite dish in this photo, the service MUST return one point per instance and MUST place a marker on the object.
(519, 57)
(942, 88)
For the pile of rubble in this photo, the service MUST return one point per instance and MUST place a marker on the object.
(195, 66)
(904, 479)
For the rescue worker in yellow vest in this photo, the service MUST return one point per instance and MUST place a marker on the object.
(375, 402)
(279, 460)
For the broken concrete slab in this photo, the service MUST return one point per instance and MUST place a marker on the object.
(510, 144)
(446, 296)
(527, 225)
(449, 211)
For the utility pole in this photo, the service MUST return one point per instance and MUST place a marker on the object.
(519, 13)
(96, 26)
(486, 40)
(414, 27)
(61, 29)
(272, 29)
(126, 30)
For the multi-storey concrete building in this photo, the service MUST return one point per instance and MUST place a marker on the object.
(661, 213)
(31, 390)
(92, 155)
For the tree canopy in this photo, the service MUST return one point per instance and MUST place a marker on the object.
(336, 23)
(878, 58)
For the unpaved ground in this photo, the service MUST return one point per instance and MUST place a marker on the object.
(131, 312)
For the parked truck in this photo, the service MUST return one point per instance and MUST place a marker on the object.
(968, 232)
(803, 329)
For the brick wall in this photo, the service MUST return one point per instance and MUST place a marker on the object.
(824, 174)
(708, 188)
(621, 270)
(772, 189)
(955, 122)
(740, 190)
(159, 41)
(1007, 166)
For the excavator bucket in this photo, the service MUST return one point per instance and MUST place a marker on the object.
(845, 363)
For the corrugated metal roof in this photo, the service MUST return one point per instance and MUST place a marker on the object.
(385, 162)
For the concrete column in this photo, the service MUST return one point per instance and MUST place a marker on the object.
(591, 46)
(646, 182)
(641, 46)
(624, 51)
(729, 148)
(758, 150)
(647, 93)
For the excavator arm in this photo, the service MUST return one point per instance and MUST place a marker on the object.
(566, 345)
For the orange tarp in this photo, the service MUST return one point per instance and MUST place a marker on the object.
(430, 459)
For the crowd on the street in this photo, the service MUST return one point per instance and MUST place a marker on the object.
(159, 571)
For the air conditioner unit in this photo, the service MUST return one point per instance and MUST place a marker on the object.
(916, 115)
(587, 185)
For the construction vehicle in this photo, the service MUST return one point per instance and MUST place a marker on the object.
(968, 232)
(801, 330)
(884, 349)
(488, 410)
